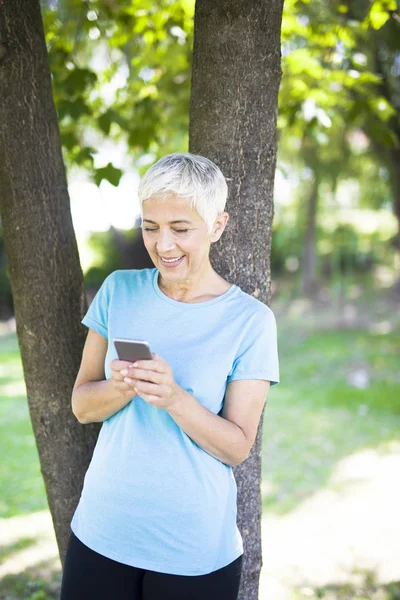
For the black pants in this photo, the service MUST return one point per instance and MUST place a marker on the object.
(88, 575)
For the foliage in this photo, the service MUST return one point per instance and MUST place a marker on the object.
(346, 240)
(120, 71)
(328, 63)
(107, 258)
(333, 86)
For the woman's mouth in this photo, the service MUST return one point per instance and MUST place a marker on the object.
(170, 263)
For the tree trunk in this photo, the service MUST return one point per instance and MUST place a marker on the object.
(46, 277)
(394, 161)
(133, 253)
(309, 254)
(394, 173)
(235, 82)
(392, 153)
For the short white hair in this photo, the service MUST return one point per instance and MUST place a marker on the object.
(188, 176)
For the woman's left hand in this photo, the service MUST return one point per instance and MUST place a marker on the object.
(153, 381)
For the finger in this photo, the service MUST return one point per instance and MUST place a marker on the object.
(151, 365)
(129, 385)
(124, 382)
(118, 365)
(153, 400)
(148, 388)
(144, 375)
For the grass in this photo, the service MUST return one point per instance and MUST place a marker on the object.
(315, 417)
(21, 481)
(30, 586)
(367, 589)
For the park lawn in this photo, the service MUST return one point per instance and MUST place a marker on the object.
(21, 481)
(313, 417)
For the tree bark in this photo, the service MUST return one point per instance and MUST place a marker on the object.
(46, 277)
(235, 83)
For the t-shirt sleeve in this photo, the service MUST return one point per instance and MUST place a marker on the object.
(97, 314)
(258, 353)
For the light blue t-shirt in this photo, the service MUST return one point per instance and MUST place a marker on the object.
(152, 498)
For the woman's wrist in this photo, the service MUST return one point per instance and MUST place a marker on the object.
(96, 401)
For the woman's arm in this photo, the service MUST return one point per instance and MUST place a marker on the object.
(95, 399)
(228, 437)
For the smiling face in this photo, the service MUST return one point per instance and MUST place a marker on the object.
(173, 230)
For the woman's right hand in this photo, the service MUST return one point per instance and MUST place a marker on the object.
(125, 389)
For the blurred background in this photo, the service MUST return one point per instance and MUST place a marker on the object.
(331, 444)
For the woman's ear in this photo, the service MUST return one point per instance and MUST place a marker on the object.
(219, 226)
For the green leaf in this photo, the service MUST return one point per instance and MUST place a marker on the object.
(85, 156)
(108, 118)
(74, 109)
(78, 80)
(110, 173)
(105, 121)
(380, 13)
(69, 139)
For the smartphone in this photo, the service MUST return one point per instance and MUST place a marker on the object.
(132, 350)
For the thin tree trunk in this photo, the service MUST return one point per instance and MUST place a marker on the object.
(309, 254)
(392, 153)
(390, 158)
(394, 162)
(46, 277)
(395, 183)
(133, 253)
(235, 82)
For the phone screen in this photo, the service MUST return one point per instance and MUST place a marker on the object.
(132, 350)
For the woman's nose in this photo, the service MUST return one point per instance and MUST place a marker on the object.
(164, 241)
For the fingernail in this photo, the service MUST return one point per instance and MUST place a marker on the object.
(124, 372)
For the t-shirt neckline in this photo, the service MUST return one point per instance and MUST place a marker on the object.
(190, 305)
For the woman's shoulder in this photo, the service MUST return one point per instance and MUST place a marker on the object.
(130, 275)
(122, 283)
(253, 304)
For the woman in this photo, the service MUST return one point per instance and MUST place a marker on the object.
(157, 515)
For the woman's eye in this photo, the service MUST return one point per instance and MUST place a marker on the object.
(176, 230)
